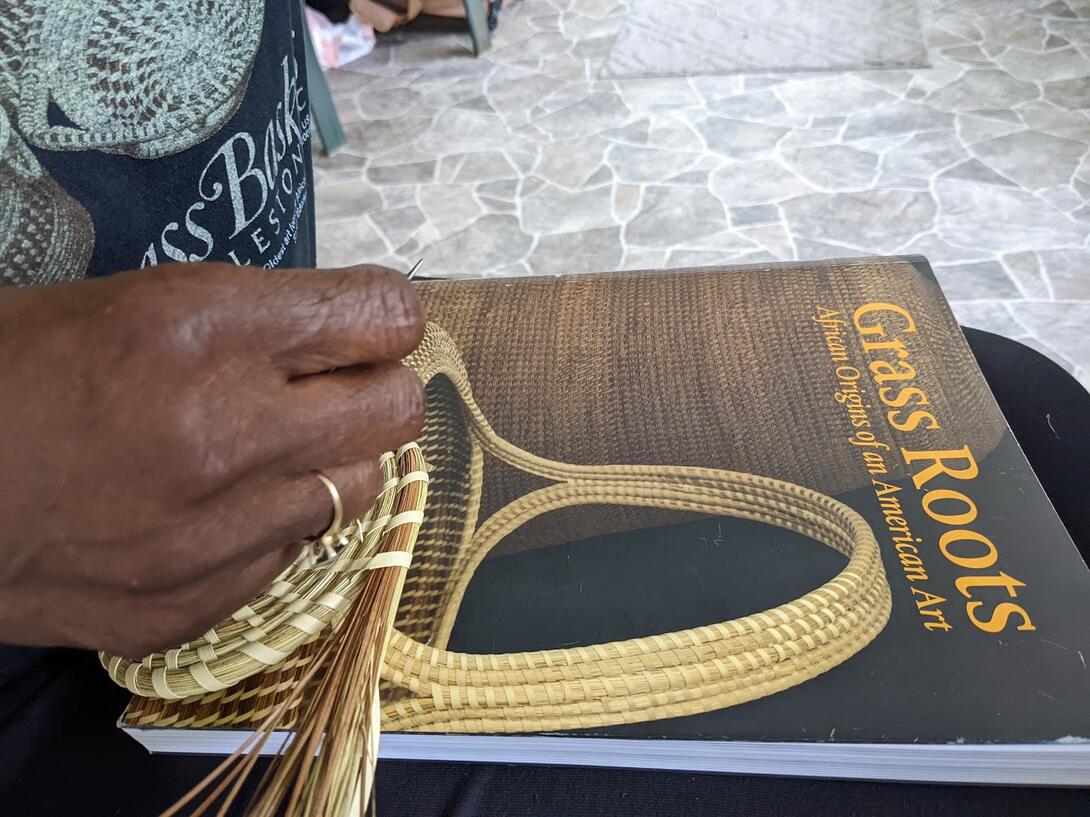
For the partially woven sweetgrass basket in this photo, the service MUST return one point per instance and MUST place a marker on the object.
(300, 604)
(231, 673)
(322, 629)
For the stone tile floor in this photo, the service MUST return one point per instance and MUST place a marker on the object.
(525, 162)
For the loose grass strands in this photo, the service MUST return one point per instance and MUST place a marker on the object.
(242, 760)
(342, 713)
(322, 767)
(328, 769)
(341, 716)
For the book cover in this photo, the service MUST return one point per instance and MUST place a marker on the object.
(960, 654)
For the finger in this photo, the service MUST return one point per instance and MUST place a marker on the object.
(286, 514)
(357, 487)
(196, 607)
(137, 624)
(189, 610)
(349, 415)
(303, 321)
(243, 523)
(312, 321)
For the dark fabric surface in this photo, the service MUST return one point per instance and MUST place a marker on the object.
(61, 754)
(1049, 413)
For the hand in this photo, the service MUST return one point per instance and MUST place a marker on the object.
(159, 432)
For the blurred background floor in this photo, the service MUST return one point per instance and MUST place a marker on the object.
(537, 158)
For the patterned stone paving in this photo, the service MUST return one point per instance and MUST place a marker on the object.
(526, 162)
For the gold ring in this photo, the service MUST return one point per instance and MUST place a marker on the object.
(322, 547)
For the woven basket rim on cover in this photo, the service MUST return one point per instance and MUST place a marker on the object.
(667, 675)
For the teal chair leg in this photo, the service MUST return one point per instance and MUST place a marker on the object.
(323, 113)
(478, 26)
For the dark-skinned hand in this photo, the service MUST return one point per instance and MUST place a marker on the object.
(159, 434)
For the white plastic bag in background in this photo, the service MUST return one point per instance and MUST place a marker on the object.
(338, 43)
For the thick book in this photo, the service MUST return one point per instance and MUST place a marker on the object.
(849, 378)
